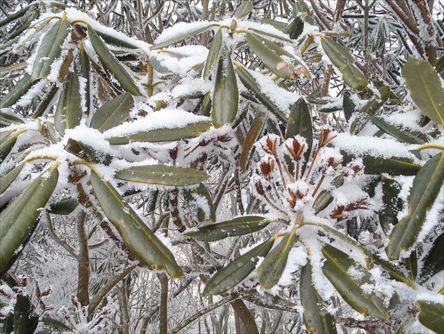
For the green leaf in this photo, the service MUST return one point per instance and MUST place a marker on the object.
(64, 206)
(213, 54)
(16, 92)
(392, 204)
(87, 152)
(112, 64)
(8, 119)
(270, 54)
(69, 108)
(425, 189)
(226, 94)
(45, 102)
(6, 69)
(163, 134)
(180, 37)
(50, 48)
(271, 269)
(433, 262)
(410, 137)
(85, 72)
(348, 105)
(431, 315)
(14, 16)
(295, 28)
(8, 178)
(230, 228)
(250, 83)
(139, 239)
(237, 270)
(299, 123)
(336, 269)
(316, 318)
(243, 9)
(344, 61)
(250, 139)
(194, 198)
(113, 112)
(325, 197)
(162, 175)
(7, 142)
(25, 321)
(425, 88)
(19, 219)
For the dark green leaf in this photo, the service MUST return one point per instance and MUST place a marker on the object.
(7, 142)
(316, 318)
(243, 9)
(64, 206)
(85, 70)
(87, 152)
(113, 112)
(392, 204)
(16, 92)
(180, 37)
(295, 28)
(431, 315)
(19, 219)
(45, 102)
(425, 88)
(213, 54)
(226, 94)
(237, 270)
(8, 119)
(230, 228)
(112, 64)
(336, 269)
(410, 137)
(25, 321)
(9, 177)
(348, 105)
(425, 189)
(433, 262)
(69, 108)
(139, 239)
(162, 175)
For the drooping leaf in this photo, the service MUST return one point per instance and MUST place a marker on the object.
(201, 202)
(392, 204)
(50, 48)
(425, 189)
(271, 269)
(19, 219)
(226, 94)
(230, 228)
(163, 134)
(213, 54)
(410, 137)
(237, 270)
(433, 262)
(9, 177)
(344, 61)
(16, 92)
(7, 142)
(336, 269)
(45, 102)
(348, 105)
(64, 206)
(431, 315)
(69, 108)
(250, 83)
(113, 112)
(8, 119)
(325, 197)
(243, 9)
(250, 139)
(188, 32)
(316, 318)
(425, 88)
(85, 72)
(162, 175)
(139, 239)
(112, 64)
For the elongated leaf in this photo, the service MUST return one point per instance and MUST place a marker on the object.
(348, 105)
(316, 318)
(250, 139)
(45, 102)
(237, 270)
(64, 206)
(392, 204)
(5, 70)
(163, 135)
(116, 40)
(188, 32)
(226, 94)
(213, 54)
(112, 64)
(113, 112)
(295, 28)
(410, 137)
(250, 83)
(325, 197)
(14, 16)
(8, 119)
(19, 219)
(431, 315)
(139, 239)
(50, 48)
(85, 72)
(162, 175)
(9, 177)
(25, 321)
(271, 269)
(336, 270)
(69, 108)
(433, 262)
(88, 152)
(344, 61)
(425, 88)
(16, 92)
(243, 9)
(230, 228)
(425, 189)
(299, 123)
(7, 142)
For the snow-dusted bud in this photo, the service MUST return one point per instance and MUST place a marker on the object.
(259, 188)
(269, 144)
(266, 166)
(296, 146)
(354, 168)
(325, 136)
(298, 194)
(331, 158)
